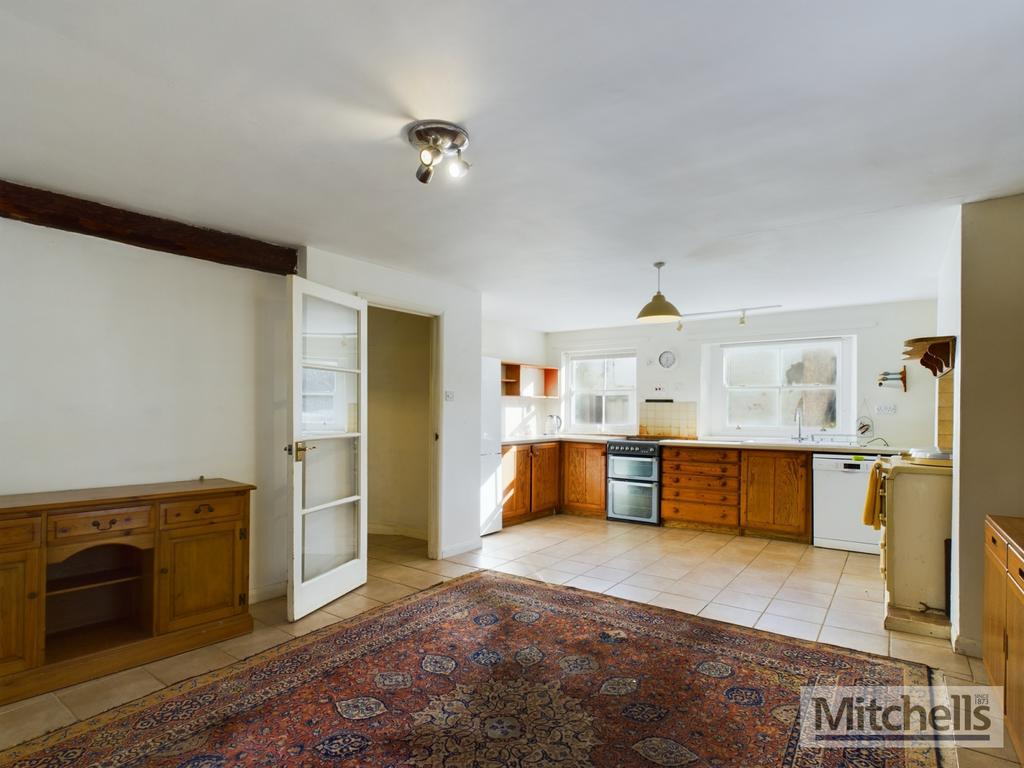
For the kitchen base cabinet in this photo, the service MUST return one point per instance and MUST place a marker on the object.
(1002, 640)
(700, 488)
(584, 479)
(530, 481)
(99, 580)
(776, 497)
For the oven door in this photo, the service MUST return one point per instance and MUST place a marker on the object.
(633, 468)
(637, 502)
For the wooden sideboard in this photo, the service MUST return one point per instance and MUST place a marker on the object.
(1002, 640)
(98, 580)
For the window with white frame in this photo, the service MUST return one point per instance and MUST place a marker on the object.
(601, 390)
(766, 388)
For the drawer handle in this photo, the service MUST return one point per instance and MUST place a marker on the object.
(164, 571)
(202, 508)
(99, 526)
(32, 595)
(993, 540)
(1021, 572)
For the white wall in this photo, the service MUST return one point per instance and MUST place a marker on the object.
(123, 365)
(880, 330)
(516, 345)
(459, 312)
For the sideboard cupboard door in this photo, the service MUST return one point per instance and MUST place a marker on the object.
(1014, 689)
(19, 610)
(993, 615)
(202, 575)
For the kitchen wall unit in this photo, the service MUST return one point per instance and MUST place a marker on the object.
(530, 476)
(1003, 617)
(584, 479)
(521, 380)
(96, 581)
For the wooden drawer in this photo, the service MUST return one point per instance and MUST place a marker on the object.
(200, 511)
(99, 523)
(704, 455)
(22, 533)
(1015, 566)
(673, 471)
(701, 495)
(705, 482)
(693, 512)
(994, 542)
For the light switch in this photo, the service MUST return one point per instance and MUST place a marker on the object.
(449, 396)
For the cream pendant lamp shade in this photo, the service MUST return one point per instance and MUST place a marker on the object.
(659, 309)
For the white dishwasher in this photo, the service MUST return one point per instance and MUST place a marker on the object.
(840, 488)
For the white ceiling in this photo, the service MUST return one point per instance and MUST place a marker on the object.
(785, 152)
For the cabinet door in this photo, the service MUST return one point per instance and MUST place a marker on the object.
(1014, 659)
(515, 481)
(19, 610)
(776, 492)
(544, 486)
(758, 490)
(584, 477)
(994, 617)
(202, 575)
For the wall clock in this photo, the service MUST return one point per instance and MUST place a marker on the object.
(667, 359)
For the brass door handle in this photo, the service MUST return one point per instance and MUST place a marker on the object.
(99, 526)
(201, 508)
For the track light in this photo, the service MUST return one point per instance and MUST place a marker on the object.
(424, 173)
(438, 142)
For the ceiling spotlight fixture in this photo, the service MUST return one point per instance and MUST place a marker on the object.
(439, 142)
(743, 317)
(659, 309)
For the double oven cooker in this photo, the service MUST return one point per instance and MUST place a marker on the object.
(633, 481)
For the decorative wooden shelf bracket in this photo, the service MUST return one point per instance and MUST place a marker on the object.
(936, 353)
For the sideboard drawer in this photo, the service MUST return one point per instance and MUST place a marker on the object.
(21, 533)
(1015, 566)
(994, 542)
(99, 523)
(201, 511)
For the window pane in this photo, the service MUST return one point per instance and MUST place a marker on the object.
(812, 364)
(621, 373)
(588, 375)
(338, 412)
(819, 407)
(330, 333)
(618, 409)
(587, 409)
(752, 408)
(751, 367)
(317, 382)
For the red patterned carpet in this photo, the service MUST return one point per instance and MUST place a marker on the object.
(490, 671)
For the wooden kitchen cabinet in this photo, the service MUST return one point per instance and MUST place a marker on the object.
(700, 488)
(776, 496)
(546, 474)
(530, 477)
(994, 605)
(584, 479)
(98, 580)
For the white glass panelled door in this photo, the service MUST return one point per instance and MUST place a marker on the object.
(328, 449)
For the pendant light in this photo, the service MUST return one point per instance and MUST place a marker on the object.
(659, 309)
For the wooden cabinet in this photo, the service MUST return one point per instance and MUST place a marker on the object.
(530, 477)
(700, 488)
(1002, 642)
(584, 478)
(19, 610)
(95, 581)
(201, 575)
(776, 495)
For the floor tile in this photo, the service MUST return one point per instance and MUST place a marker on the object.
(590, 584)
(809, 613)
(614, 575)
(649, 581)
(730, 614)
(554, 576)
(477, 559)
(859, 622)
(739, 599)
(967, 758)
(678, 602)
(811, 585)
(88, 699)
(190, 664)
(794, 595)
(690, 589)
(572, 566)
(305, 625)
(784, 625)
(515, 568)
(627, 592)
(385, 591)
(932, 655)
(854, 605)
(260, 639)
(859, 641)
(350, 605)
(33, 717)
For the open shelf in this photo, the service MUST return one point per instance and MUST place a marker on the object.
(81, 641)
(82, 581)
(523, 380)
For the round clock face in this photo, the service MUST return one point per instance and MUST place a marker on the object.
(667, 359)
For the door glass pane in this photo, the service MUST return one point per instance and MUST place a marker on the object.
(752, 407)
(751, 367)
(330, 401)
(810, 364)
(330, 471)
(635, 501)
(623, 466)
(819, 407)
(330, 538)
(330, 334)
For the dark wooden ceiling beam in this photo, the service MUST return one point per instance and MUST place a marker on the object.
(72, 214)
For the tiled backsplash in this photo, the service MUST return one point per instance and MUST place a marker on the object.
(669, 419)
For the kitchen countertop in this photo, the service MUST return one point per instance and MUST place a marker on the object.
(758, 445)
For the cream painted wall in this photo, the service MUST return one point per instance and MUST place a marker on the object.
(123, 365)
(517, 345)
(399, 354)
(880, 330)
(458, 310)
(991, 372)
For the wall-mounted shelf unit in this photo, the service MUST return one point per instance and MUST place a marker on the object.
(524, 380)
(936, 353)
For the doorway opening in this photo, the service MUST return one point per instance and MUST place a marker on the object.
(402, 419)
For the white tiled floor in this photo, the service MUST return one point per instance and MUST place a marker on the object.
(790, 589)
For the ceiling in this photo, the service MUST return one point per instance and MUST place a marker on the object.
(786, 152)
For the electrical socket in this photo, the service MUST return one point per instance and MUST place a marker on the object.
(885, 409)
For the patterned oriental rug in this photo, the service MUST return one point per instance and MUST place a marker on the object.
(490, 671)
